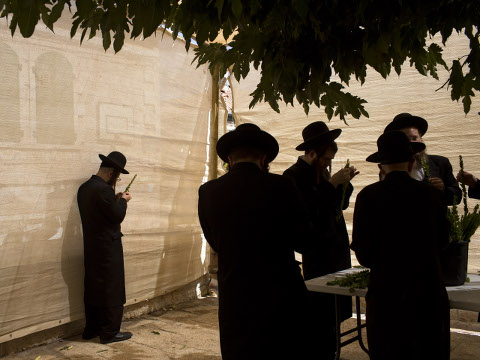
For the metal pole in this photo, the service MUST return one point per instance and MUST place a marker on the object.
(212, 153)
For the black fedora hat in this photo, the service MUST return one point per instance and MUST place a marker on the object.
(395, 147)
(406, 120)
(247, 135)
(116, 160)
(317, 133)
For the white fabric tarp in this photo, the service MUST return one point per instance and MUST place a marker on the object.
(61, 104)
(450, 132)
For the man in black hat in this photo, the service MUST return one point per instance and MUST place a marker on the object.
(102, 212)
(323, 195)
(400, 240)
(439, 167)
(255, 221)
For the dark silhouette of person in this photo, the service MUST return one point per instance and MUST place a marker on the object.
(102, 212)
(323, 193)
(399, 230)
(255, 221)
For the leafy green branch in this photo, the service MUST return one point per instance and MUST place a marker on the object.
(353, 281)
(307, 51)
(462, 227)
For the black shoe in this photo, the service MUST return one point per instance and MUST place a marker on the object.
(119, 337)
(89, 336)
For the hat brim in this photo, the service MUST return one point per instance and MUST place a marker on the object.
(320, 139)
(377, 157)
(258, 139)
(112, 163)
(410, 121)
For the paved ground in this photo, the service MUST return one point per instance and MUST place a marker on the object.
(190, 332)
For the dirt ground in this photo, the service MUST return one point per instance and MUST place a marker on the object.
(189, 331)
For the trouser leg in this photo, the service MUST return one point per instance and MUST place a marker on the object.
(322, 324)
(92, 326)
(110, 321)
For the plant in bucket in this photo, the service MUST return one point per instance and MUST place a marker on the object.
(462, 228)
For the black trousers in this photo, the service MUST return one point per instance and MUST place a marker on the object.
(103, 321)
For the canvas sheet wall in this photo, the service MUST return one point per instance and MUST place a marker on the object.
(61, 104)
(450, 132)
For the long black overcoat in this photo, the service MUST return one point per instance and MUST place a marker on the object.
(254, 221)
(331, 252)
(474, 192)
(101, 216)
(399, 230)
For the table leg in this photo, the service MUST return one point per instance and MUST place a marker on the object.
(337, 328)
(359, 324)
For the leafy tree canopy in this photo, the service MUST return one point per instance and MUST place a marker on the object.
(297, 44)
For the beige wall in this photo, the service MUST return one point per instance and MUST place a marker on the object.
(61, 104)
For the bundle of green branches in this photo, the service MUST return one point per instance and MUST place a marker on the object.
(353, 281)
(344, 191)
(462, 227)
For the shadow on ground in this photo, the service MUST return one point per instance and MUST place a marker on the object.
(189, 331)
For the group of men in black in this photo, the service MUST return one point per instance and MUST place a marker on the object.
(256, 220)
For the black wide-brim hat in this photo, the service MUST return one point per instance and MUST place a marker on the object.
(395, 147)
(116, 160)
(315, 134)
(247, 135)
(406, 120)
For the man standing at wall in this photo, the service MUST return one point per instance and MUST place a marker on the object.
(255, 221)
(440, 170)
(102, 212)
(399, 229)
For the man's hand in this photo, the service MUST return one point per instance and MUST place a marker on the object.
(353, 172)
(437, 183)
(125, 195)
(341, 177)
(468, 179)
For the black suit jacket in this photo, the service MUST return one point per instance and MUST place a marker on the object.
(101, 216)
(254, 221)
(399, 229)
(474, 192)
(440, 167)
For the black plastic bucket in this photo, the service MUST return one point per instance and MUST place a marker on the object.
(454, 264)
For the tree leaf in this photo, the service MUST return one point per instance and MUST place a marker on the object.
(119, 39)
(28, 17)
(56, 13)
(456, 80)
(107, 40)
(219, 6)
(13, 24)
(301, 7)
(467, 101)
(237, 8)
(83, 35)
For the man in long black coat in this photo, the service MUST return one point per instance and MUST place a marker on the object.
(254, 221)
(323, 195)
(439, 167)
(473, 189)
(399, 230)
(102, 212)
